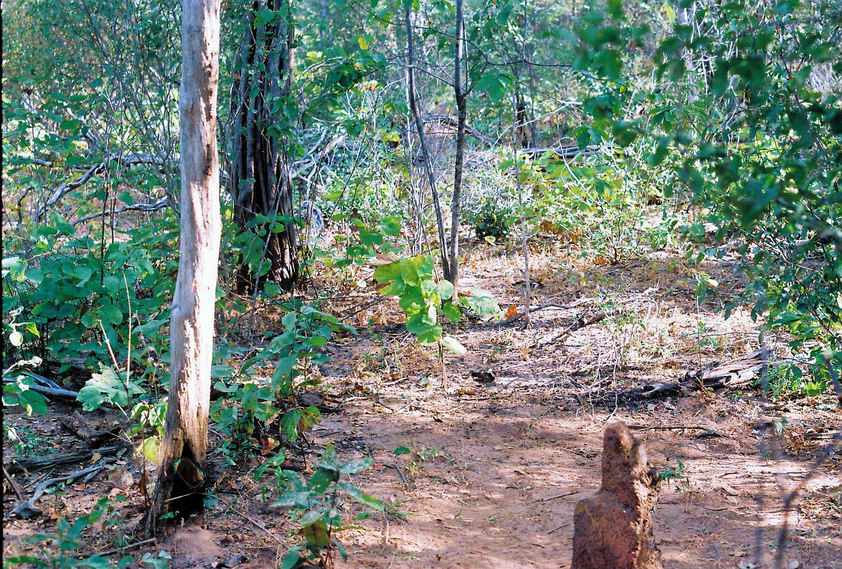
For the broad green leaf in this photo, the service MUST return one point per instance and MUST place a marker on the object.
(453, 345)
(445, 289)
(387, 273)
(289, 424)
(291, 558)
(355, 466)
(452, 312)
(110, 314)
(321, 480)
(317, 533)
(33, 402)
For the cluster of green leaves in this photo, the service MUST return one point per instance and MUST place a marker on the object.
(17, 388)
(422, 299)
(252, 401)
(78, 299)
(317, 506)
(770, 175)
(491, 222)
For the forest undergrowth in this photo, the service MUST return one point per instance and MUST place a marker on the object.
(485, 471)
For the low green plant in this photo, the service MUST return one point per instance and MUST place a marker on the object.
(252, 402)
(675, 474)
(72, 300)
(787, 378)
(491, 221)
(317, 507)
(25, 441)
(18, 392)
(423, 299)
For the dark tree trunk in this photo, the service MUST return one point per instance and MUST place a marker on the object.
(419, 124)
(451, 272)
(260, 183)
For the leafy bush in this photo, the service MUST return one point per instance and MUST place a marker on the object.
(746, 117)
(252, 402)
(60, 550)
(317, 506)
(422, 298)
(491, 220)
(81, 301)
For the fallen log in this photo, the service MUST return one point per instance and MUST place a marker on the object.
(34, 463)
(44, 386)
(735, 373)
(738, 372)
(563, 152)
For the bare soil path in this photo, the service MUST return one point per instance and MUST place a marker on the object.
(494, 469)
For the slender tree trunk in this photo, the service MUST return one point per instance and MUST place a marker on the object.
(419, 124)
(527, 296)
(260, 183)
(184, 446)
(462, 116)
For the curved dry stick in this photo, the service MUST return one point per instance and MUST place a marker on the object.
(27, 509)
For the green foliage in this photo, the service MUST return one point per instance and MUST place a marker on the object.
(491, 221)
(254, 401)
(18, 392)
(423, 299)
(108, 386)
(675, 474)
(317, 507)
(25, 441)
(78, 302)
(755, 137)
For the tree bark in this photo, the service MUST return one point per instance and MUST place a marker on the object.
(184, 445)
(260, 179)
(452, 268)
(419, 124)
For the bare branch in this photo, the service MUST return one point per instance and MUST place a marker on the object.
(132, 159)
(156, 206)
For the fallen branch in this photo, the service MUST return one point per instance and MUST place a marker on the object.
(40, 462)
(735, 373)
(581, 322)
(27, 509)
(563, 152)
(254, 522)
(12, 483)
(42, 380)
(562, 495)
(400, 473)
(537, 308)
(124, 159)
(129, 546)
(453, 122)
(55, 392)
(738, 372)
(64, 189)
